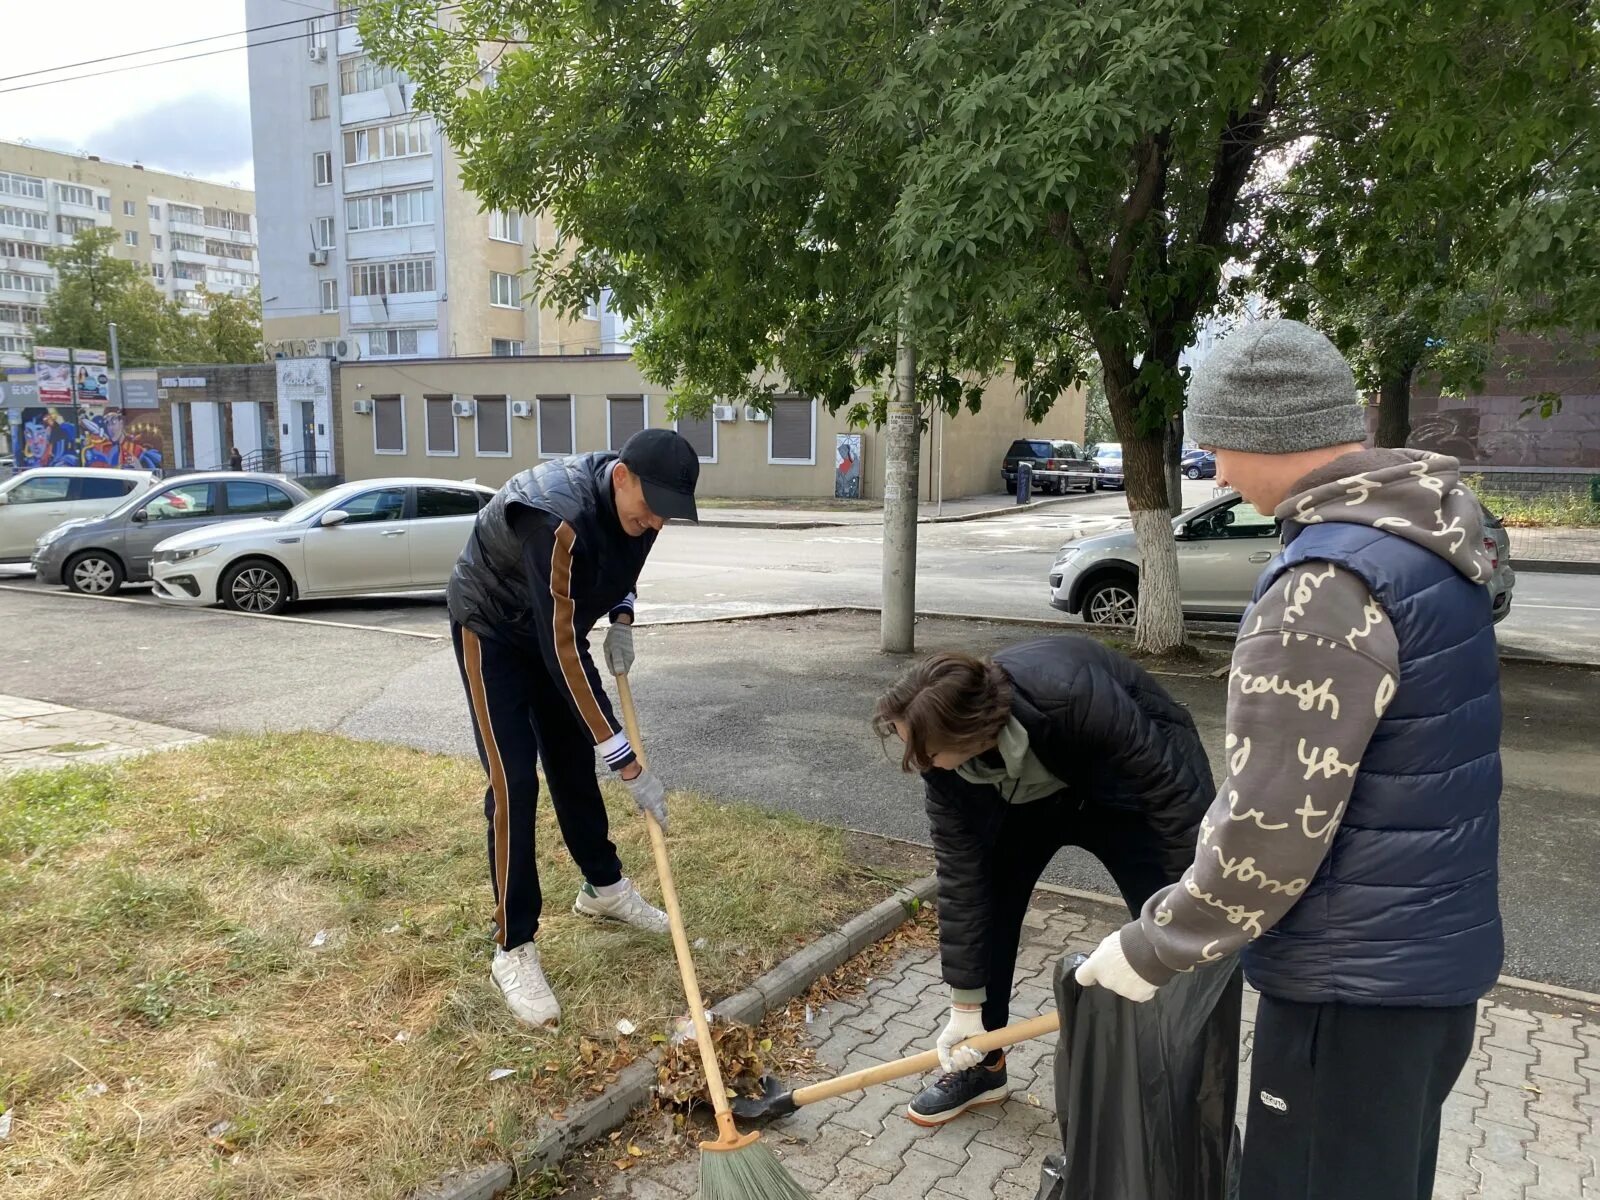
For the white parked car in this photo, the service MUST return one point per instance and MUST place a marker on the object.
(36, 501)
(1223, 546)
(378, 535)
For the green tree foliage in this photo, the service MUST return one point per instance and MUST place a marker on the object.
(95, 288)
(1051, 186)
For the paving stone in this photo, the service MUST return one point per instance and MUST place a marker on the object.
(982, 1170)
(1504, 1106)
(1559, 1178)
(916, 1178)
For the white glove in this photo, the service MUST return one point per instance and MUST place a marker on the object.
(1108, 967)
(966, 1021)
(619, 648)
(650, 796)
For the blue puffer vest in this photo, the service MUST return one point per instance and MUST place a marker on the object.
(1405, 908)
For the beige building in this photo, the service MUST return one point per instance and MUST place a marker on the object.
(185, 233)
(371, 248)
(487, 419)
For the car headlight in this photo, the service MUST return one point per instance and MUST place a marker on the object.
(47, 538)
(178, 556)
(1065, 553)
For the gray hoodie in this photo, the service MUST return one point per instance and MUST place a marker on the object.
(1315, 666)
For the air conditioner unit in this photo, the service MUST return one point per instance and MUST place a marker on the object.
(724, 412)
(752, 413)
(522, 408)
(363, 408)
(318, 258)
(317, 53)
(462, 408)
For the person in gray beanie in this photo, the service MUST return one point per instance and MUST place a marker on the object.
(1352, 851)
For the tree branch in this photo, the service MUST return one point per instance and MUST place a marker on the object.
(1236, 151)
(1064, 231)
(1147, 193)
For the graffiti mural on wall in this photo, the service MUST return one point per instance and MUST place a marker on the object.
(49, 439)
(110, 439)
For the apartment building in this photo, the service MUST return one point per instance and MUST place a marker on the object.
(185, 233)
(370, 247)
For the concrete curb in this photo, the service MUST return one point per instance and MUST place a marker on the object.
(824, 523)
(1556, 566)
(593, 1119)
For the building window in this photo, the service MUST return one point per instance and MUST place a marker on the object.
(155, 239)
(591, 311)
(494, 426)
(12, 184)
(402, 277)
(625, 416)
(392, 343)
(221, 249)
(322, 168)
(505, 226)
(317, 36)
(158, 272)
(155, 212)
(29, 250)
(399, 139)
(389, 424)
(182, 214)
(441, 425)
(319, 101)
(15, 345)
(347, 16)
(23, 218)
(73, 225)
(188, 243)
(505, 291)
(701, 433)
(130, 237)
(19, 281)
(229, 219)
(21, 314)
(103, 203)
(791, 433)
(361, 74)
(505, 347)
(555, 426)
(129, 208)
(330, 295)
(324, 233)
(389, 211)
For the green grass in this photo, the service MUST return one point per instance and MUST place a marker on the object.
(168, 1029)
(1553, 510)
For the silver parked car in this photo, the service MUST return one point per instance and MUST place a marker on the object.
(97, 556)
(1223, 546)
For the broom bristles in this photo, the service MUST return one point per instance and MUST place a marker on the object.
(751, 1173)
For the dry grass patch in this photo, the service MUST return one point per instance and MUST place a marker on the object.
(259, 967)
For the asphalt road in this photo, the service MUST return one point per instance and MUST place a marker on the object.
(773, 712)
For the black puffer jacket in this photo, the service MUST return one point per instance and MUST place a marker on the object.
(1105, 727)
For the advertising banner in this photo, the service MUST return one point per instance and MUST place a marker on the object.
(847, 466)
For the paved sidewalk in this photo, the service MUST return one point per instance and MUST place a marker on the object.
(1522, 1124)
(967, 508)
(37, 736)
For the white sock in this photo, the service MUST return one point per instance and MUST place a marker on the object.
(612, 889)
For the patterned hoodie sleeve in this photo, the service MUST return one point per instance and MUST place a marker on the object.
(1315, 666)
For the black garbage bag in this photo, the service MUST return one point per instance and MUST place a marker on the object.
(1145, 1093)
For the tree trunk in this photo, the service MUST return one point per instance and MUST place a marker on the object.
(1394, 407)
(898, 621)
(1174, 463)
(1160, 612)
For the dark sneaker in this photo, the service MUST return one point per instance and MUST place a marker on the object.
(951, 1095)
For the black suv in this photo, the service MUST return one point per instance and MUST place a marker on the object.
(1045, 454)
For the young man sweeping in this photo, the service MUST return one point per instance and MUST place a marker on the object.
(1052, 743)
(1353, 848)
(558, 548)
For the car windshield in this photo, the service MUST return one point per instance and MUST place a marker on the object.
(305, 508)
(1109, 452)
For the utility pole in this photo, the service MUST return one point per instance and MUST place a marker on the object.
(897, 631)
(116, 365)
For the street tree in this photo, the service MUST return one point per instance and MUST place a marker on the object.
(777, 193)
(95, 288)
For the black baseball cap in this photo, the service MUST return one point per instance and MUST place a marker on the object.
(668, 469)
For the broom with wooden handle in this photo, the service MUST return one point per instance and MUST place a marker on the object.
(735, 1166)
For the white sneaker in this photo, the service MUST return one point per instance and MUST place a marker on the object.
(526, 990)
(627, 906)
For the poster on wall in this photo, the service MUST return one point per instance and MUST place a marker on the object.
(52, 366)
(91, 380)
(49, 439)
(847, 466)
(113, 437)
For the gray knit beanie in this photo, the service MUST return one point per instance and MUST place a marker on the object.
(1274, 387)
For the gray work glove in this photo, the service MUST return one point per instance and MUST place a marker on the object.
(619, 648)
(650, 796)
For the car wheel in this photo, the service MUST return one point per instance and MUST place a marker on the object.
(1113, 601)
(255, 586)
(94, 573)
(1193, 473)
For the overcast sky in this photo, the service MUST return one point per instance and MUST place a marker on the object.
(188, 117)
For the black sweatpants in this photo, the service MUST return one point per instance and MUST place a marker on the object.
(1345, 1100)
(1140, 864)
(521, 719)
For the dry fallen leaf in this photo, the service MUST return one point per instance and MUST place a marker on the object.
(501, 1073)
(626, 1027)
